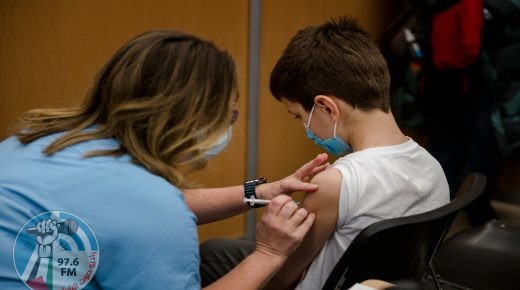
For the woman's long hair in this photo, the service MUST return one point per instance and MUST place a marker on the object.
(166, 96)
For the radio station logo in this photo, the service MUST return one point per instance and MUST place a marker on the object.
(56, 250)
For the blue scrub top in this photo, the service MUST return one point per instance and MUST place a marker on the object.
(130, 229)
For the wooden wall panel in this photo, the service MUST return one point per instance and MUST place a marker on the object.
(51, 49)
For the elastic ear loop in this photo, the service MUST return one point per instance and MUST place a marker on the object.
(308, 125)
(310, 117)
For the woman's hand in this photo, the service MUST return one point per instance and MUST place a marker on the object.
(282, 227)
(298, 181)
(278, 234)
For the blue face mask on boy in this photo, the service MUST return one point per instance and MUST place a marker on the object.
(335, 145)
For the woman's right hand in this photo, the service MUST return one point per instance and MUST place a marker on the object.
(278, 235)
(282, 227)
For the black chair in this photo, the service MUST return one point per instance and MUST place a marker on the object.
(485, 258)
(401, 248)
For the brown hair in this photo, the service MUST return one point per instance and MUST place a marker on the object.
(166, 96)
(335, 59)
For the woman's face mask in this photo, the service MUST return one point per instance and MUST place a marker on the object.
(221, 144)
(224, 140)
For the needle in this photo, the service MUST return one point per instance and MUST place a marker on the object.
(261, 201)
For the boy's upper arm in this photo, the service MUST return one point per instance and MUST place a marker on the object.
(324, 203)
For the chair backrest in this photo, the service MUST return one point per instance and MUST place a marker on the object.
(401, 248)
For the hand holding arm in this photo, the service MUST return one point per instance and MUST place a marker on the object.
(213, 204)
(324, 204)
(279, 233)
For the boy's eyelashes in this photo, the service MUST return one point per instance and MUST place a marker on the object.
(294, 115)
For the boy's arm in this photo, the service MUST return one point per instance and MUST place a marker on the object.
(325, 205)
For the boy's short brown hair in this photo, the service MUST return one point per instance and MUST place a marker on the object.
(336, 59)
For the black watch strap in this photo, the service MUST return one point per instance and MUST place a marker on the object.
(250, 190)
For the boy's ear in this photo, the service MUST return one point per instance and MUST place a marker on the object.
(328, 104)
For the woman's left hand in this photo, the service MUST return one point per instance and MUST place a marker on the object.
(298, 181)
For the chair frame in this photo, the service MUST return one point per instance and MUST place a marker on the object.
(376, 254)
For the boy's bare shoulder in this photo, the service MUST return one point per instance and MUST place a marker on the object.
(331, 177)
(329, 182)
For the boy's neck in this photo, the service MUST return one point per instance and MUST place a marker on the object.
(373, 129)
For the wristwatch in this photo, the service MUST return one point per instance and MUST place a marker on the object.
(250, 189)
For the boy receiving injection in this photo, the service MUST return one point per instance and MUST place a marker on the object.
(334, 80)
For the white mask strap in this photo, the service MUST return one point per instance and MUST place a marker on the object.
(310, 116)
